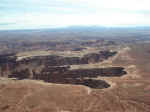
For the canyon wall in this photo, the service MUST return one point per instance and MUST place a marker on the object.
(56, 69)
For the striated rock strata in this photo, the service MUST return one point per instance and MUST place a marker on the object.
(56, 69)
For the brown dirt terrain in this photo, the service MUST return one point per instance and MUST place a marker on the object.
(129, 93)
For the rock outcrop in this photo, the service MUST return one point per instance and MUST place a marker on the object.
(62, 75)
(55, 69)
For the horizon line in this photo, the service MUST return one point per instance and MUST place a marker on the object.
(77, 26)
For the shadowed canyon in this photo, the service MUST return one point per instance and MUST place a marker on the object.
(56, 69)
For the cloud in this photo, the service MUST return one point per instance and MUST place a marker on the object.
(45, 13)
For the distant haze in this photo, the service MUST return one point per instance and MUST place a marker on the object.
(30, 14)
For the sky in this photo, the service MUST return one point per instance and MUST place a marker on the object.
(30, 14)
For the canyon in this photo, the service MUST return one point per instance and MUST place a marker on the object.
(56, 69)
(75, 71)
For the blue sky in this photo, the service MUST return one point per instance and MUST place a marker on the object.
(24, 14)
